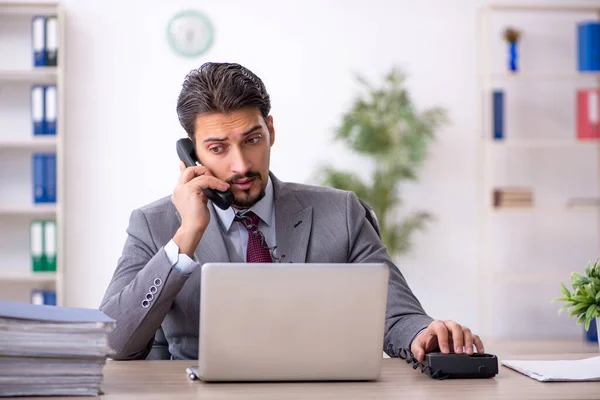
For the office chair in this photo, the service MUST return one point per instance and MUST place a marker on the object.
(160, 347)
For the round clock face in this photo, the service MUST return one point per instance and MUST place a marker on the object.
(189, 33)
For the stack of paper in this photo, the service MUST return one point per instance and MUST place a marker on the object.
(587, 369)
(48, 350)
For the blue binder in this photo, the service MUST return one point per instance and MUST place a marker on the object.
(50, 177)
(38, 109)
(38, 41)
(498, 114)
(50, 110)
(38, 178)
(50, 297)
(588, 46)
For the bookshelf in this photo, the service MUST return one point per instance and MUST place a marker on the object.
(524, 253)
(17, 146)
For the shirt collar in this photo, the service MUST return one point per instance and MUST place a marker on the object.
(264, 209)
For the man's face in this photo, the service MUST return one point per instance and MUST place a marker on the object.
(236, 148)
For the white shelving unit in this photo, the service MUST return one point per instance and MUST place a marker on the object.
(17, 144)
(512, 289)
(47, 75)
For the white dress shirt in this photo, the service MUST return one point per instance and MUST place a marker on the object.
(234, 233)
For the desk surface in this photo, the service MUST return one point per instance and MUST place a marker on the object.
(167, 379)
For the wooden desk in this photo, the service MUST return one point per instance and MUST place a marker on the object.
(168, 380)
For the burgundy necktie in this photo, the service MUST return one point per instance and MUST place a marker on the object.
(257, 250)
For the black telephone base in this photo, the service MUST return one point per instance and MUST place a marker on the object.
(463, 366)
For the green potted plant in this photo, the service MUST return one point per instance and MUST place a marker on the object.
(384, 126)
(584, 299)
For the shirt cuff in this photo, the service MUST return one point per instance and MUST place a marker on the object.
(180, 262)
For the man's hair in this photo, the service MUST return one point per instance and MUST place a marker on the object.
(220, 87)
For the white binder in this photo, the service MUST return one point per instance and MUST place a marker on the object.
(37, 109)
(36, 246)
(38, 41)
(50, 110)
(50, 244)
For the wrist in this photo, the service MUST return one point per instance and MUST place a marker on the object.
(187, 240)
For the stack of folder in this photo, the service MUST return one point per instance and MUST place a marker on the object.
(47, 350)
(513, 197)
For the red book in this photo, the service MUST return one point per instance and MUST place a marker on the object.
(588, 112)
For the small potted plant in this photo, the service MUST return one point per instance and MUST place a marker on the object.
(584, 300)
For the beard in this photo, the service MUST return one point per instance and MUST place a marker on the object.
(248, 200)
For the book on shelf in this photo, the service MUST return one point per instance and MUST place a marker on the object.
(512, 197)
(588, 114)
(588, 46)
(498, 114)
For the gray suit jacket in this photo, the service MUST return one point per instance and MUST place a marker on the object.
(333, 230)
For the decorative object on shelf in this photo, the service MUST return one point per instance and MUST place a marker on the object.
(588, 46)
(385, 126)
(585, 297)
(588, 112)
(498, 114)
(512, 36)
(190, 33)
(513, 197)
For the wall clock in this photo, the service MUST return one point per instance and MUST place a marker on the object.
(190, 33)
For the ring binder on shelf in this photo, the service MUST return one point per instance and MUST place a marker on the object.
(50, 110)
(50, 245)
(39, 180)
(38, 109)
(52, 41)
(50, 177)
(37, 297)
(36, 246)
(38, 41)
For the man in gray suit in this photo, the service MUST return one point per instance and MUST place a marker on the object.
(225, 109)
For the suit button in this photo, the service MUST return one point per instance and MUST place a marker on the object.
(149, 296)
(153, 289)
(145, 304)
(158, 282)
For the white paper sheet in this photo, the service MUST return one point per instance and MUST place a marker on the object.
(587, 369)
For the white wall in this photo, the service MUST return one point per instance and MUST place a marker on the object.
(123, 81)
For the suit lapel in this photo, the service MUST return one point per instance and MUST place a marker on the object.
(293, 224)
(212, 245)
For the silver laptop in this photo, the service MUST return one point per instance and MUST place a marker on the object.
(291, 322)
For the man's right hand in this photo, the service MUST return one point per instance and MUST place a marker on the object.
(191, 204)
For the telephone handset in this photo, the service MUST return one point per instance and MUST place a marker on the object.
(187, 154)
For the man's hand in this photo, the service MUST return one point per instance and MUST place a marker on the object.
(447, 337)
(191, 204)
